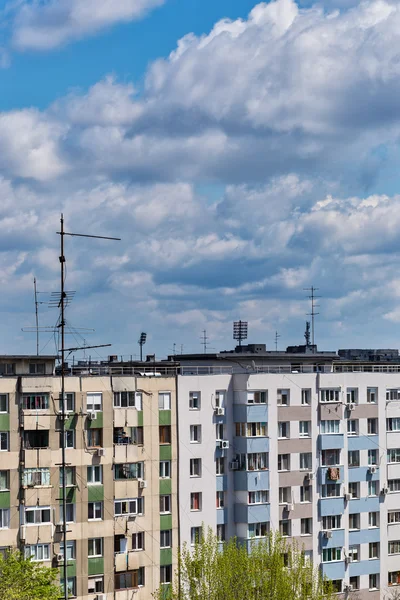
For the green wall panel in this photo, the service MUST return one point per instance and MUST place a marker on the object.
(4, 422)
(95, 566)
(166, 556)
(165, 486)
(97, 423)
(95, 493)
(165, 522)
(5, 500)
(164, 417)
(71, 568)
(71, 495)
(166, 452)
(71, 422)
(140, 418)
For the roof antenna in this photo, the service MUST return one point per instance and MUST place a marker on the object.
(312, 314)
(307, 333)
(240, 331)
(277, 336)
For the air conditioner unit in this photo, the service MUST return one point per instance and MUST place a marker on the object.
(347, 497)
(92, 416)
(101, 597)
(63, 416)
(234, 465)
(309, 476)
(59, 527)
(219, 411)
(351, 406)
(224, 444)
(101, 452)
(328, 535)
(372, 469)
(142, 483)
(59, 557)
(384, 491)
(348, 588)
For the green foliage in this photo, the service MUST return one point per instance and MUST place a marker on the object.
(22, 579)
(269, 570)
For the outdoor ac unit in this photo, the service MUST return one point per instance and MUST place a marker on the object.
(59, 557)
(309, 476)
(101, 597)
(92, 416)
(142, 483)
(63, 416)
(347, 497)
(348, 588)
(372, 469)
(288, 507)
(101, 451)
(59, 528)
(384, 491)
(328, 535)
(219, 411)
(234, 465)
(351, 406)
(224, 444)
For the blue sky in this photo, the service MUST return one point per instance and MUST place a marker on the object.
(243, 151)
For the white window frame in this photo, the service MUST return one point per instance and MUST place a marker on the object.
(93, 469)
(94, 542)
(166, 538)
(329, 427)
(164, 400)
(195, 434)
(4, 441)
(94, 401)
(37, 510)
(165, 469)
(4, 518)
(4, 397)
(330, 395)
(97, 506)
(38, 552)
(305, 429)
(195, 471)
(194, 400)
(306, 395)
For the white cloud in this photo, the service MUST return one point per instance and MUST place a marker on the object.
(43, 25)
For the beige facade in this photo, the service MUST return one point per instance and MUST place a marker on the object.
(116, 437)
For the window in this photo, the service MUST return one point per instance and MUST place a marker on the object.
(69, 437)
(393, 517)
(373, 488)
(70, 513)
(257, 397)
(354, 489)
(69, 476)
(165, 469)
(33, 477)
(195, 535)
(372, 457)
(372, 395)
(283, 462)
(95, 511)
(394, 578)
(138, 541)
(330, 427)
(336, 586)
(95, 547)
(195, 501)
(257, 530)
(7, 369)
(69, 402)
(129, 579)
(306, 526)
(393, 394)
(220, 499)
(95, 438)
(393, 455)
(71, 586)
(165, 574)
(71, 549)
(4, 441)
(36, 368)
(4, 518)
(4, 480)
(256, 461)
(285, 528)
(352, 395)
(354, 521)
(305, 428)
(221, 533)
(306, 461)
(38, 552)
(332, 522)
(165, 434)
(331, 490)
(260, 497)
(372, 426)
(128, 506)
(305, 493)
(285, 495)
(35, 401)
(220, 398)
(331, 554)
(251, 429)
(306, 397)
(96, 584)
(354, 458)
(3, 403)
(94, 401)
(373, 550)
(283, 397)
(195, 467)
(394, 485)
(220, 465)
(219, 431)
(373, 519)
(354, 553)
(128, 400)
(352, 427)
(374, 581)
(394, 547)
(330, 458)
(330, 395)
(194, 401)
(165, 504)
(36, 515)
(195, 434)
(166, 538)
(164, 400)
(393, 424)
(129, 471)
(355, 582)
(94, 474)
(283, 429)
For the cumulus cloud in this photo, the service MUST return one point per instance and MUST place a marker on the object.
(45, 25)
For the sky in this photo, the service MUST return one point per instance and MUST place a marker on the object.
(242, 152)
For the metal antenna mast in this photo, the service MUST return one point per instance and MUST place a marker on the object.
(277, 336)
(37, 317)
(63, 299)
(312, 314)
(204, 340)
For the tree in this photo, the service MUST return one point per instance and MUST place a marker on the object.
(269, 569)
(22, 579)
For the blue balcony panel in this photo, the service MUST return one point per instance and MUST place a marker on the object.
(255, 444)
(251, 513)
(362, 442)
(334, 441)
(335, 541)
(362, 474)
(323, 475)
(364, 536)
(250, 413)
(221, 483)
(251, 481)
(364, 567)
(249, 543)
(331, 506)
(334, 570)
(222, 516)
(371, 504)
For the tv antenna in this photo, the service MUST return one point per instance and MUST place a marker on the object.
(141, 342)
(37, 302)
(64, 300)
(312, 314)
(204, 339)
(240, 331)
(277, 336)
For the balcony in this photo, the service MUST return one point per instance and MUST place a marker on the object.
(368, 504)
(251, 480)
(245, 445)
(364, 567)
(364, 536)
(251, 513)
(362, 442)
(325, 474)
(250, 413)
(331, 506)
(334, 570)
(126, 453)
(335, 541)
(334, 441)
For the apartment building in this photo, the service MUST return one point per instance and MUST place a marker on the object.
(121, 475)
(302, 442)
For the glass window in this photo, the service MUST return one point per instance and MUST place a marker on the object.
(306, 397)
(330, 458)
(94, 401)
(257, 530)
(393, 485)
(128, 400)
(165, 434)
(195, 467)
(4, 480)
(166, 538)
(330, 426)
(354, 458)
(36, 515)
(331, 490)
(165, 503)
(355, 582)
(69, 475)
(94, 474)
(283, 429)
(165, 574)
(194, 400)
(394, 547)
(195, 535)
(373, 488)
(373, 519)
(372, 457)
(354, 521)
(38, 552)
(220, 465)
(354, 489)
(354, 553)
(4, 441)
(393, 517)
(95, 547)
(374, 581)
(352, 395)
(195, 434)
(71, 549)
(95, 438)
(283, 397)
(33, 477)
(221, 533)
(70, 513)
(332, 522)
(305, 428)
(128, 506)
(372, 425)
(283, 462)
(393, 455)
(306, 526)
(219, 431)
(96, 584)
(331, 554)
(195, 501)
(220, 398)
(69, 437)
(393, 424)
(4, 518)
(285, 528)
(305, 493)
(352, 427)
(373, 550)
(138, 541)
(130, 579)
(220, 499)
(330, 395)
(259, 397)
(306, 461)
(285, 495)
(71, 586)
(129, 471)
(3, 403)
(164, 400)
(95, 511)
(35, 401)
(260, 497)
(372, 395)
